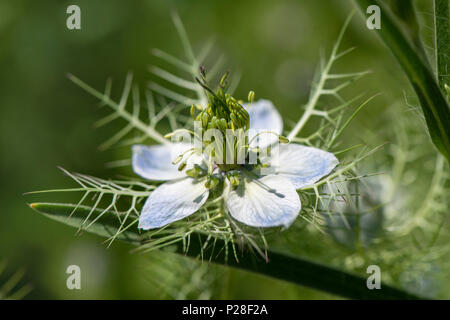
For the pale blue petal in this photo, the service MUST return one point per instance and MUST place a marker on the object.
(264, 117)
(303, 165)
(269, 201)
(155, 162)
(172, 201)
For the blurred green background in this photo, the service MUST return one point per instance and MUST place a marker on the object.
(46, 121)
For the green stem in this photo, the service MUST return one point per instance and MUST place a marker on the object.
(432, 100)
(442, 43)
(280, 266)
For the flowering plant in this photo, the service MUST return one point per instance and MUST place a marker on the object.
(233, 170)
(218, 178)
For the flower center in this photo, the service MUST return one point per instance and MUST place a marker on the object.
(224, 125)
(223, 111)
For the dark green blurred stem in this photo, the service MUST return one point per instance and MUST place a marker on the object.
(302, 272)
(405, 12)
(280, 266)
(432, 100)
(442, 43)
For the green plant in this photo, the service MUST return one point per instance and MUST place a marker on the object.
(111, 208)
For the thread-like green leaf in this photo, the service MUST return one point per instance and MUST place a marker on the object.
(106, 225)
(280, 266)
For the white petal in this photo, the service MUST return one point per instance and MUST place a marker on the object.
(155, 162)
(172, 201)
(303, 165)
(267, 202)
(264, 117)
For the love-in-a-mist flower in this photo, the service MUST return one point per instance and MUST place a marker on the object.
(258, 193)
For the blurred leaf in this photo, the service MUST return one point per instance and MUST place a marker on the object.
(405, 12)
(280, 266)
(442, 34)
(432, 100)
(10, 290)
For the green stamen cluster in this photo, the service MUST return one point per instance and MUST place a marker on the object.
(223, 111)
